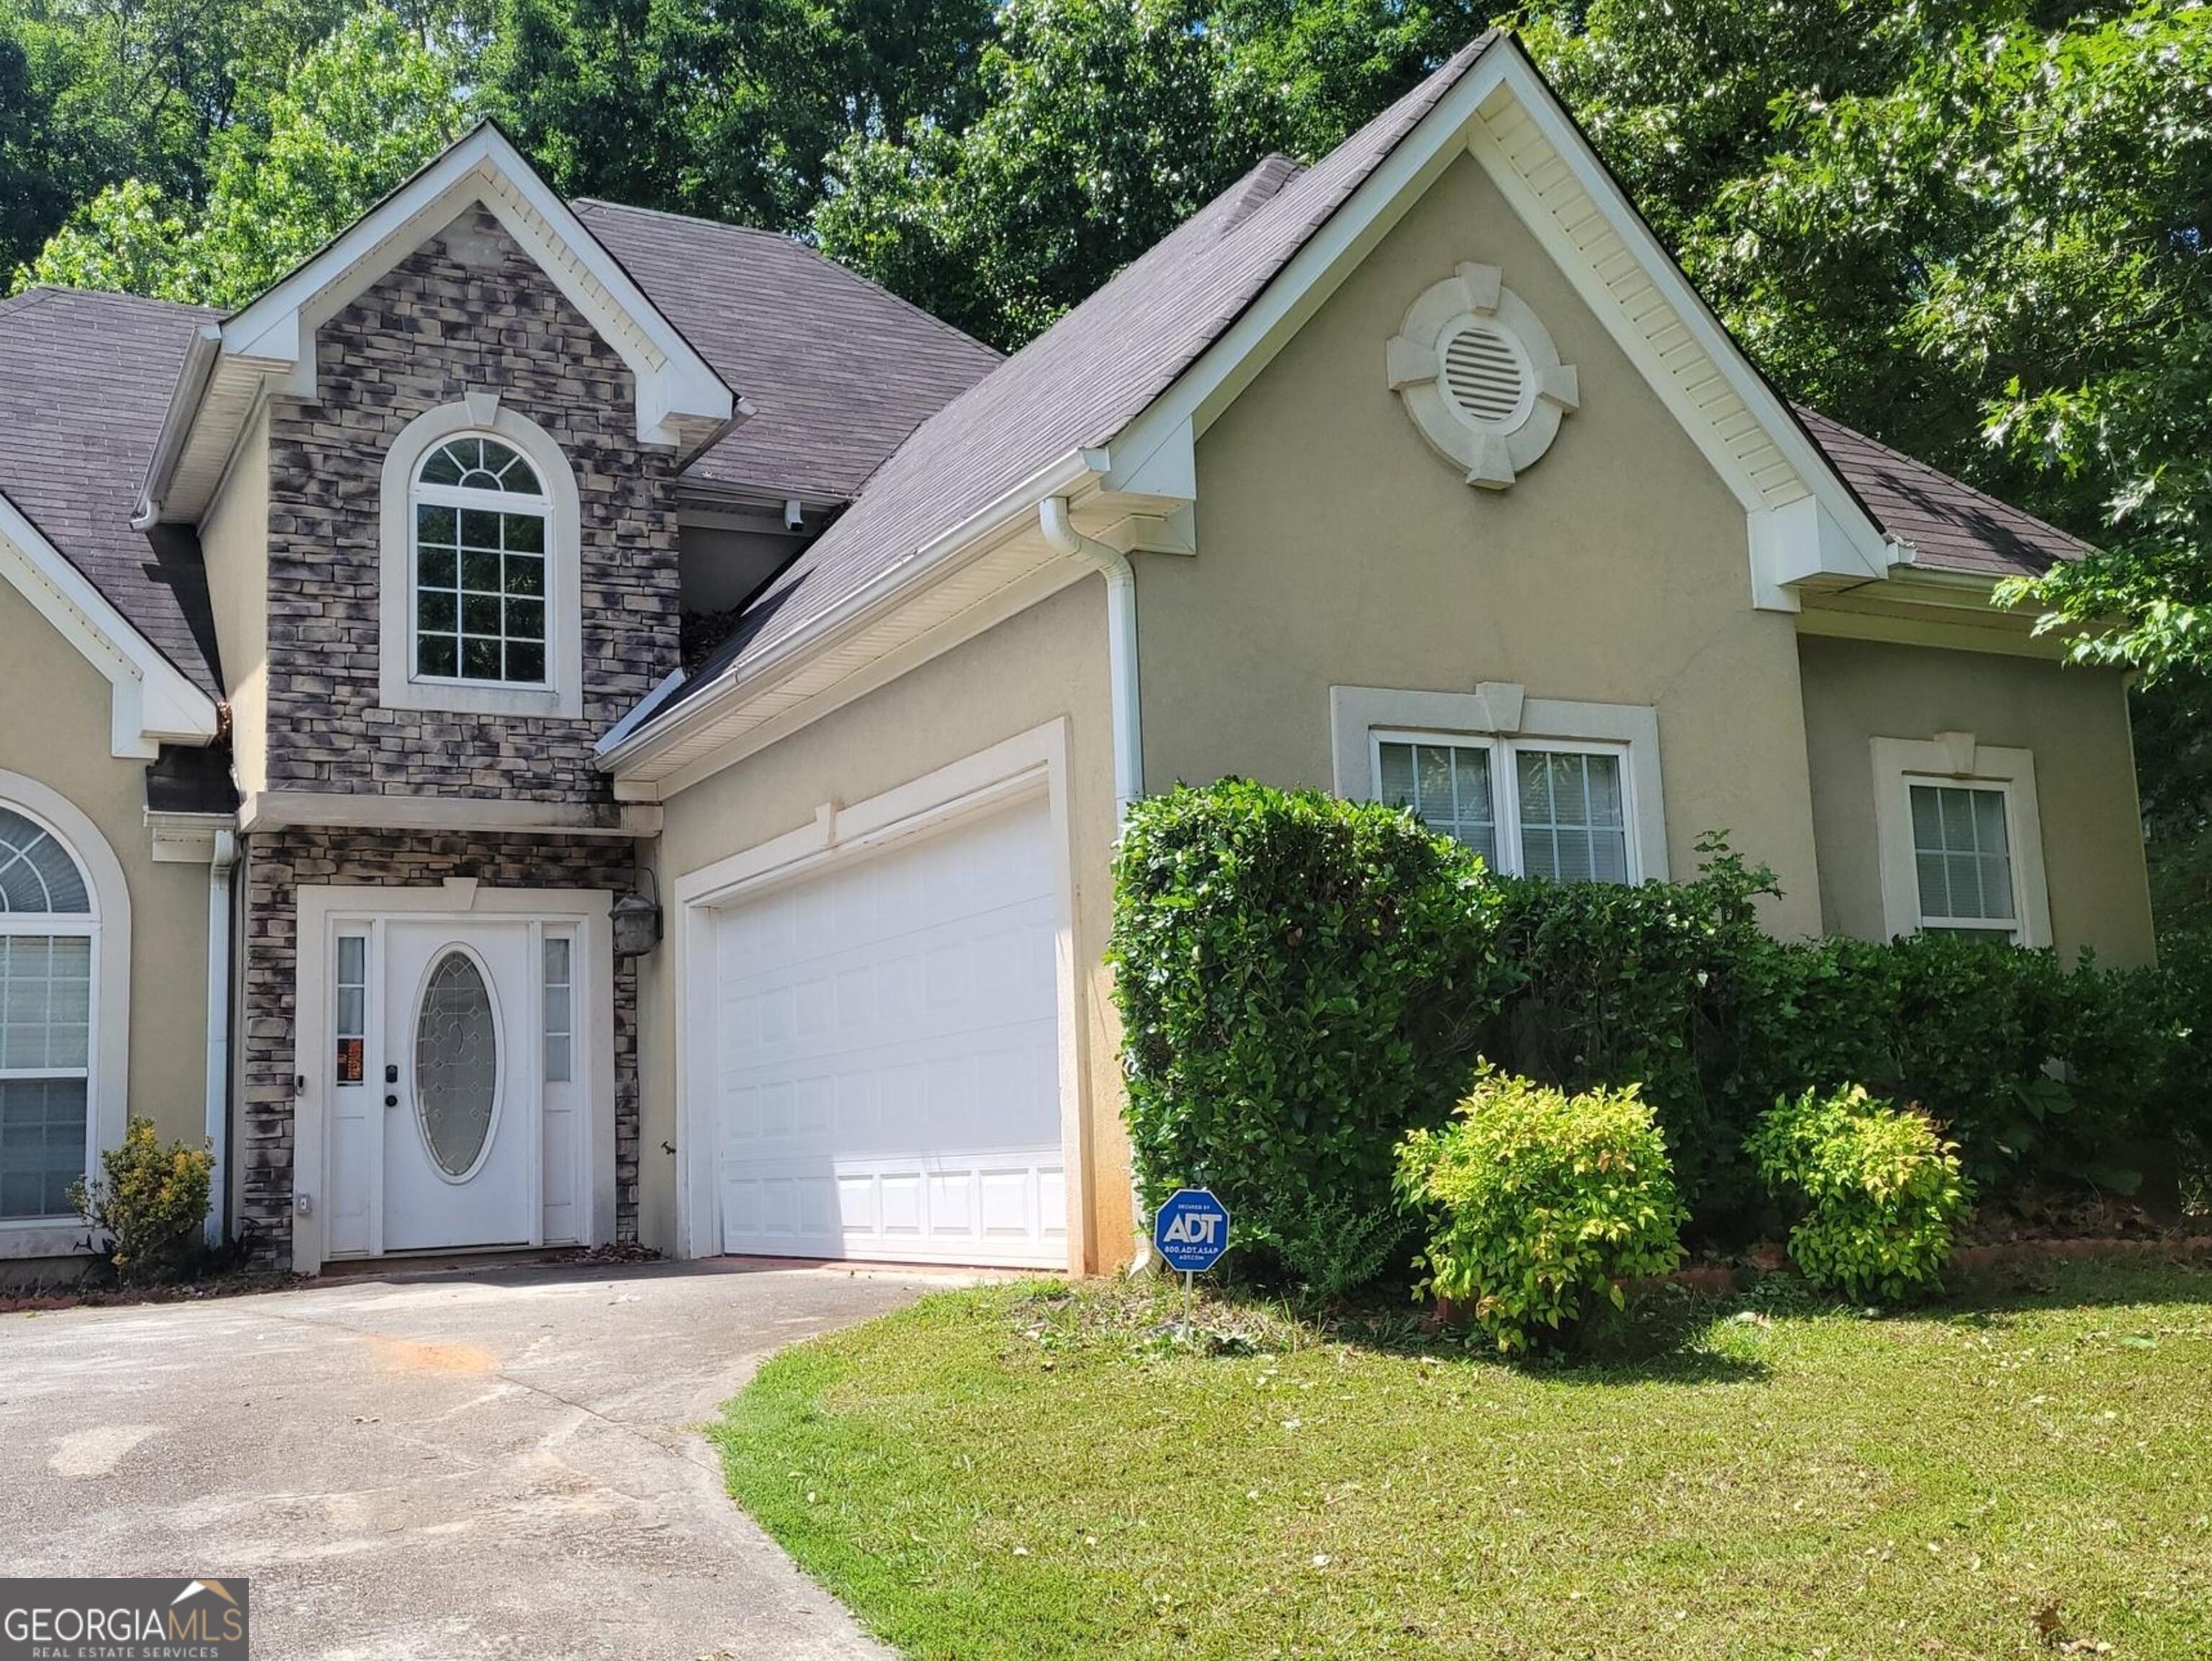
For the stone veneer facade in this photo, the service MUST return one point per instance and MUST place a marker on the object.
(432, 329)
(278, 864)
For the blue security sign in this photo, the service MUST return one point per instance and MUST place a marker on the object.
(1191, 1230)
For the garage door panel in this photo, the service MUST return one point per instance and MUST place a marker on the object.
(887, 1075)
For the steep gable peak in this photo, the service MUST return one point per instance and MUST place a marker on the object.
(269, 345)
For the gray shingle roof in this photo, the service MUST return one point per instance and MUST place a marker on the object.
(84, 381)
(1951, 525)
(1084, 379)
(839, 370)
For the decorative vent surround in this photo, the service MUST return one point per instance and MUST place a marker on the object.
(1480, 377)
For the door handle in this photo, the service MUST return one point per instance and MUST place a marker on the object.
(392, 1101)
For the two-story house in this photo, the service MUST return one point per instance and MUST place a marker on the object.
(361, 811)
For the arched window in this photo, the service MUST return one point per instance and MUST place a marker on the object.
(481, 516)
(49, 942)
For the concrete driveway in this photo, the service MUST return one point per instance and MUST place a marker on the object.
(500, 1464)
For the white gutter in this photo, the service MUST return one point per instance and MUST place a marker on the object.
(1060, 533)
(1123, 693)
(176, 422)
(220, 865)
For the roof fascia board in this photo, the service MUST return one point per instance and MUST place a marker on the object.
(1160, 441)
(631, 754)
(1813, 466)
(680, 397)
(151, 703)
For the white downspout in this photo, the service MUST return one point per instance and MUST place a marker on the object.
(218, 1028)
(1061, 535)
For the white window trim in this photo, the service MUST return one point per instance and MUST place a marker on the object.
(1500, 713)
(1954, 758)
(107, 1078)
(398, 686)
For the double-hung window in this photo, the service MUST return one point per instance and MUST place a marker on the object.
(1961, 847)
(1543, 807)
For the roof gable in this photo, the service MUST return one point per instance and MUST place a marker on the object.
(269, 345)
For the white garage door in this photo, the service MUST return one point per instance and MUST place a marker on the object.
(887, 1080)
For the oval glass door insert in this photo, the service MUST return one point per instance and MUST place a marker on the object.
(456, 1063)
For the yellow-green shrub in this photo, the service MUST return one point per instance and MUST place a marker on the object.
(1542, 1203)
(149, 1202)
(1880, 1188)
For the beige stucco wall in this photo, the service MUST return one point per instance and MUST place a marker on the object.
(57, 734)
(2074, 721)
(235, 543)
(1336, 549)
(1043, 665)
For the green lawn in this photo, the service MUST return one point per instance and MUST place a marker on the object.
(1028, 1471)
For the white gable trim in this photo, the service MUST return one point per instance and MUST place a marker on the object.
(681, 400)
(150, 703)
(1802, 523)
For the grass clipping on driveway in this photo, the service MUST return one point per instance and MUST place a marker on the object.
(1035, 1471)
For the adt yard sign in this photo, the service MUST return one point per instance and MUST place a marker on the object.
(1191, 1230)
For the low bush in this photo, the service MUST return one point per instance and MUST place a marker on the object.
(148, 1207)
(1881, 1191)
(1299, 979)
(1543, 1204)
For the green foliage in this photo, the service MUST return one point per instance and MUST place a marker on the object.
(148, 1204)
(1543, 1204)
(732, 112)
(1619, 983)
(1104, 125)
(363, 111)
(1336, 1248)
(1881, 1189)
(1302, 978)
(1295, 975)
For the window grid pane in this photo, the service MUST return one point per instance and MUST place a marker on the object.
(1447, 786)
(1962, 854)
(42, 1145)
(45, 1001)
(560, 1003)
(1574, 826)
(479, 594)
(352, 1019)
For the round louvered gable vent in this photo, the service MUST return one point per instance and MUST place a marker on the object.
(1486, 375)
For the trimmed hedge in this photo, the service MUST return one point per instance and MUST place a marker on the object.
(1303, 979)
(1300, 981)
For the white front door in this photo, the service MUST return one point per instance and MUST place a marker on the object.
(461, 1085)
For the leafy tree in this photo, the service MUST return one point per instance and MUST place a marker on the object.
(363, 110)
(1105, 126)
(113, 89)
(727, 112)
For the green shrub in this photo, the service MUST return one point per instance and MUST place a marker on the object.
(1543, 1204)
(1298, 979)
(150, 1202)
(1335, 1248)
(1618, 984)
(1302, 980)
(1881, 1189)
